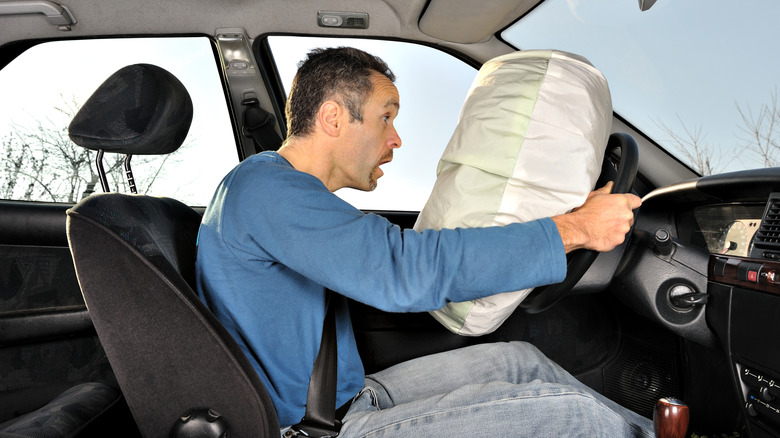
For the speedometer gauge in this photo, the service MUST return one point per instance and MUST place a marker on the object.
(736, 239)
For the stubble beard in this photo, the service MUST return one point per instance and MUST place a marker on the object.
(372, 182)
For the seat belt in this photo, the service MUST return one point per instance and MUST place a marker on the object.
(320, 420)
(259, 124)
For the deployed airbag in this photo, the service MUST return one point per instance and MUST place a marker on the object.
(529, 144)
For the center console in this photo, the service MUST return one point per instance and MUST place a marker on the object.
(744, 310)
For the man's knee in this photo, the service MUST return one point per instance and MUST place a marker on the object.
(526, 351)
(511, 351)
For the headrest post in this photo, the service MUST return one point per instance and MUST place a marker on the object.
(129, 173)
(101, 172)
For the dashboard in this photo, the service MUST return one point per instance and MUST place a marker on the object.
(704, 261)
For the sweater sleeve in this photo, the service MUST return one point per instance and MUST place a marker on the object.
(279, 215)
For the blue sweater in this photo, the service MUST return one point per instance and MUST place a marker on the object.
(273, 238)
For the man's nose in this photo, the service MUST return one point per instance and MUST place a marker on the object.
(395, 140)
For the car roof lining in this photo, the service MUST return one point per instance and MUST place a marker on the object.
(400, 19)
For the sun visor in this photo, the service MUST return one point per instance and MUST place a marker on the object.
(469, 21)
(529, 144)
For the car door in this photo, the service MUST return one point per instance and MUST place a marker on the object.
(47, 342)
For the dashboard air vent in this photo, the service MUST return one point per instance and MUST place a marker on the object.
(768, 234)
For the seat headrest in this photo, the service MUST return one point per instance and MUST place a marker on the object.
(141, 109)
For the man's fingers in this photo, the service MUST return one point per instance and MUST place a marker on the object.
(607, 189)
(634, 201)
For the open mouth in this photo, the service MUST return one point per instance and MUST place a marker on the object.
(382, 162)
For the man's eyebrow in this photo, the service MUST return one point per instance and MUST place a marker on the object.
(393, 102)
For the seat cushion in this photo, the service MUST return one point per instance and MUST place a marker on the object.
(529, 144)
(66, 415)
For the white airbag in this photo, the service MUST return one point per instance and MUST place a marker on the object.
(529, 144)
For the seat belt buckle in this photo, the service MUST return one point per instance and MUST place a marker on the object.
(314, 430)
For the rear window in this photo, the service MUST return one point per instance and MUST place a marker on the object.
(45, 86)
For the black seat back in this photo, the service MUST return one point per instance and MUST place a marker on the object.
(135, 261)
(169, 353)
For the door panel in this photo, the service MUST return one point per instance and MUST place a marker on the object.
(47, 342)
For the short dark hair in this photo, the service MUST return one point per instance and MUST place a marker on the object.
(341, 74)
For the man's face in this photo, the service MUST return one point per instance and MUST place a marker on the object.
(370, 144)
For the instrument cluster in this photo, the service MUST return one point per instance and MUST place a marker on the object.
(727, 229)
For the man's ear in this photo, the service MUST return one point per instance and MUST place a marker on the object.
(330, 117)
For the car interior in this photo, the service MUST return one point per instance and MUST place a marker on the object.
(102, 334)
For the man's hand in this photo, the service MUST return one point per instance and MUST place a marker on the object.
(601, 223)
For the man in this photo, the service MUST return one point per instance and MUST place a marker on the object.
(274, 238)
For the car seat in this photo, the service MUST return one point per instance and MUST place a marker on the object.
(181, 373)
(67, 415)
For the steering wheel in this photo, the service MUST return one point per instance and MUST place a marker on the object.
(542, 298)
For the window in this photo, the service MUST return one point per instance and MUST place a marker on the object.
(45, 86)
(700, 78)
(432, 86)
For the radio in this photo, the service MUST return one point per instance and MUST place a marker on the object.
(762, 394)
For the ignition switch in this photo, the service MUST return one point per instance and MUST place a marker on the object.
(683, 297)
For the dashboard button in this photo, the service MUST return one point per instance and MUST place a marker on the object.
(720, 266)
(747, 271)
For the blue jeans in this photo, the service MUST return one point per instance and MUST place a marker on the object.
(491, 390)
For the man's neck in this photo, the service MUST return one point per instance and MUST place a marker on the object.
(305, 156)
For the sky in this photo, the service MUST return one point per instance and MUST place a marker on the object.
(680, 64)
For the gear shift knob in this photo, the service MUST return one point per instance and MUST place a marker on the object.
(670, 418)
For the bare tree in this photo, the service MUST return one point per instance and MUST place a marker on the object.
(41, 163)
(760, 134)
(762, 130)
(702, 156)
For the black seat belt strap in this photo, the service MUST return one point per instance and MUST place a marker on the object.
(259, 124)
(320, 417)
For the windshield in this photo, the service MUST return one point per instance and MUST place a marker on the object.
(699, 78)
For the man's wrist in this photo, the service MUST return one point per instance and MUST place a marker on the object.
(571, 236)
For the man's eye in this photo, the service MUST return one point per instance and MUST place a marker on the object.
(386, 119)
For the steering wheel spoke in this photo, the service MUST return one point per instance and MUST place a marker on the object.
(544, 297)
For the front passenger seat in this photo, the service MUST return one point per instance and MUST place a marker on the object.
(179, 369)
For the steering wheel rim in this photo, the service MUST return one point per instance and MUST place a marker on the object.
(544, 297)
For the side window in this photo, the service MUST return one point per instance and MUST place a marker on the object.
(45, 86)
(432, 86)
